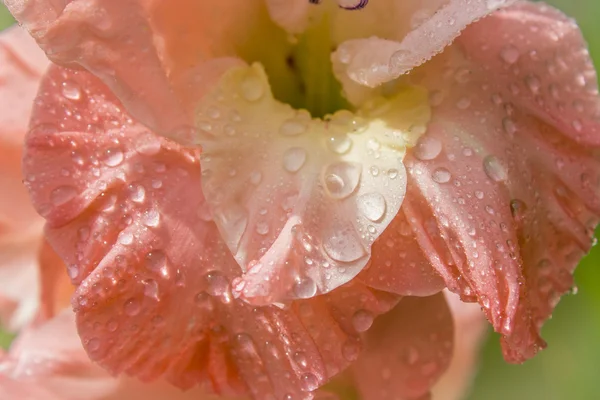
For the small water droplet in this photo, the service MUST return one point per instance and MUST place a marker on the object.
(441, 175)
(137, 193)
(132, 307)
(71, 90)
(518, 209)
(372, 206)
(362, 320)
(494, 169)
(294, 158)
(339, 144)
(62, 195)
(147, 144)
(309, 382)
(510, 54)
(292, 127)
(113, 157)
(343, 245)
(341, 179)
(156, 260)
(151, 218)
(252, 88)
(305, 288)
(427, 148)
(218, 284)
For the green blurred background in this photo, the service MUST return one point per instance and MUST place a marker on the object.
(570, 368)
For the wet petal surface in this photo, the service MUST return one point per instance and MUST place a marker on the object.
(300, 201)
(503, 187)
(126, 213)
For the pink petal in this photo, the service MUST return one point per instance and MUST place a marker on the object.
(470, 330)
(39, 367)
(21, 66)
(126, 213)
(406, 350)
(503, 187)
(398, 263)
(379, 59)
(156, 56)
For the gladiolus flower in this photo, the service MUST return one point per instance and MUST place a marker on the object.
(239, 188)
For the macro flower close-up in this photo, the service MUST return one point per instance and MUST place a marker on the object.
(288, 199)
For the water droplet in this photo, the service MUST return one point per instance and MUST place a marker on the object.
(362, 320)
(427, 148)
(441, 175)
(113, 157)
(71, 90)
(494, 169)
(147, 144)
(218, 284)
(255, 177)
(151, 218)
(463, 103)
(125, 238)
(151, 288)
(132, 307)
(339, 144)
(341, 179)
(510, 54)
(112, 325)
(292, 127)
(294, 159)
(309, 382)
(156, 260)
(305, 288)
(93, 344)
(533, 83)
(351, 349)
(401, 62)
(137, 193)
(343, 245)
(262, 228)
(62, 195)
(518, 209)
(374, 170)
(252, 88)
(393, 173)
(372, 206)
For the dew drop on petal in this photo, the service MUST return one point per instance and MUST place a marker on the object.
(252, 88)
(292, 127)
(441, 175)
(71, 90)
(151, 218)
(427, 148)
(294, 159)
(362, 320)
(62, 195)
(305, 288)
(494, 169)
(156, 260)
(510, 54)
(113, 157)
(218, 283)
(132, 307)
(372, 206)
(309, 382)
(339, 144)
(341, 179)
(343, 245)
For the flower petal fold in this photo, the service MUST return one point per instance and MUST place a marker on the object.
(503, 187)
(126, 213)
(152, 54)
(300, 201)
(406, 350)
(433, 26)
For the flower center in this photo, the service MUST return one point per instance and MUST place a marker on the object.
(299, 66)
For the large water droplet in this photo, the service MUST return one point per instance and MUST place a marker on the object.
(341, 179)
(218, 283)
(372, 206)
(494, 169)
(151, 218)
(294, 159)
(62, 195)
